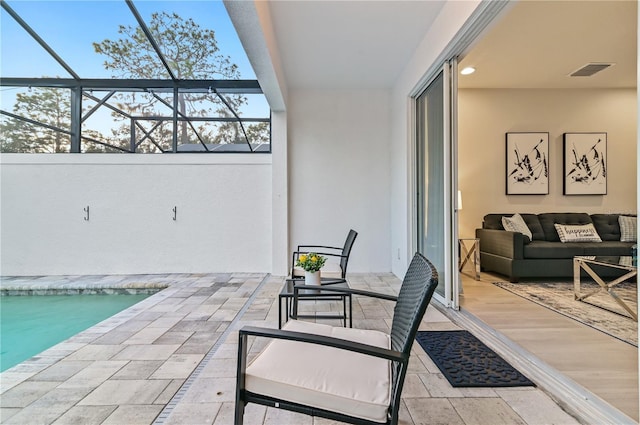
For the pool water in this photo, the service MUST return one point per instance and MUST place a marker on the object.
(32, 323)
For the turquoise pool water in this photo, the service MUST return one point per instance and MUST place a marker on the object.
(32, 323)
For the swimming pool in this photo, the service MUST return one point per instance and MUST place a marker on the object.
(32, 323)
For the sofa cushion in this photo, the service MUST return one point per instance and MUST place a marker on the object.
(577, 233)
(516, 223)
(628, 228)
(494, 221)
(548, 221)
(555, 250)
(607, 226)
(606, 248)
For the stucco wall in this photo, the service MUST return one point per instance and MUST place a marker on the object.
(339, 172)
(224, 208)
(486, 115)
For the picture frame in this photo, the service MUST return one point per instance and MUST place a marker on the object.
(527, 163)
(584, 164)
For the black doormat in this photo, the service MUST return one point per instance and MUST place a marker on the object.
(466, 362)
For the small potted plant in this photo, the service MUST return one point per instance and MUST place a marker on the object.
(311, 263)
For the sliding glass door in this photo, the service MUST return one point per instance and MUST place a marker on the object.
(435, 215)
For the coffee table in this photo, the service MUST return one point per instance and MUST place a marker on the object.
(290, 295)
(622, 263)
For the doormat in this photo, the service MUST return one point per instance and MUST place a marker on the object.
(466, 362)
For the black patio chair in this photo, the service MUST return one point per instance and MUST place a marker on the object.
(330, 269)
(344, 374)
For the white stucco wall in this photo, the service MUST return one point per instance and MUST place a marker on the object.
(253, 24)
(279, 195)
(452, 17)
(486, 115)
(224, 213)
(339, 172)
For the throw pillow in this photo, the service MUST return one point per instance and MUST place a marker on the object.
(628, 228)
(516, 223)
(577, 233)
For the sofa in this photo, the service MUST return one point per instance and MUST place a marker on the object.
(513, 254)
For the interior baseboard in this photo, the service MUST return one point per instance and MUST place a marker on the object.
(576, 400)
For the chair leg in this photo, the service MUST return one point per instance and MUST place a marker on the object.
(240, 375)
(239, 415)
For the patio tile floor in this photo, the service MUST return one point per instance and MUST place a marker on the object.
(171, 359)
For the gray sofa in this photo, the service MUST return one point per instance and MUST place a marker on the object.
(514, 255)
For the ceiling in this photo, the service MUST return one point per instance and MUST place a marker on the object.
(536, 44)
(366, 44)
(348, 44)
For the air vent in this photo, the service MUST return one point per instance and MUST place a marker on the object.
(589, 69)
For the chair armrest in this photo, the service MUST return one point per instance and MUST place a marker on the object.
(317, 246)
(332, 254)
(342, 344)
(352, 291)
(502, 243)
(296, 254)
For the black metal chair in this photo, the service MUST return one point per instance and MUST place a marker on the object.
(331, 251)
(344, 374)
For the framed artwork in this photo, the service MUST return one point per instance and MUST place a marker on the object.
(585, 163)
(527, 171)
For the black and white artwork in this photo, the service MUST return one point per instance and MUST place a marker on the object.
(585, 164)
(527, 163)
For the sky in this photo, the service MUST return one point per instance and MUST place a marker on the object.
(70, 28)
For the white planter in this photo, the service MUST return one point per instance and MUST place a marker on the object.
(312, 278)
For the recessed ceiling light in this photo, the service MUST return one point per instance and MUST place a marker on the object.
(468, 70)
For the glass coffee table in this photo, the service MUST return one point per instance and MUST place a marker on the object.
(623, 263)
(290, 295)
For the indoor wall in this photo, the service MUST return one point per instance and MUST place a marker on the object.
(485, 115)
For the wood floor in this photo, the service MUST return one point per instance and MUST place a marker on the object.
(602, 364)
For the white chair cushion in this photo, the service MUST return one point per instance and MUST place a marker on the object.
(331, 270)
(324, 377)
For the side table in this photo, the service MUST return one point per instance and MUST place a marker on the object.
(290, 295)
(469, 251)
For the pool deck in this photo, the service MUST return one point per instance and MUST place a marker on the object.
(171, 359)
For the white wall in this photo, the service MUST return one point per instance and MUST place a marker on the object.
(486, 115)
(224, 213)
(339, 172)
(452, 17)
(280, 195)
(253, 24)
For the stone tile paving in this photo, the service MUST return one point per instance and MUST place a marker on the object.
(171, 359)
(132, 363)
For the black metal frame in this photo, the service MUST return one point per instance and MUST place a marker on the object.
(415, 294)
(80, 88)
(345, 252)
(291, 296)
(245, 397)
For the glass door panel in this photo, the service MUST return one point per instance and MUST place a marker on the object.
(432, 181)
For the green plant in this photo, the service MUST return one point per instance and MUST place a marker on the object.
(311, 262)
